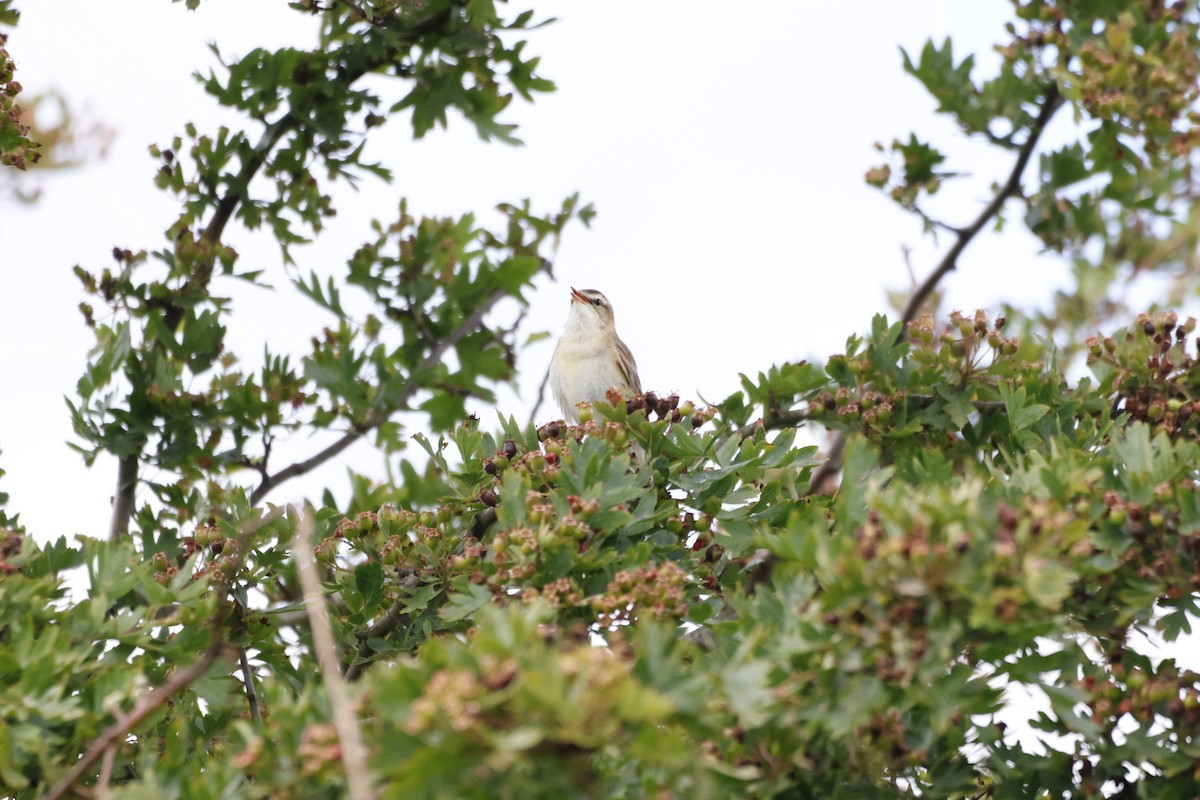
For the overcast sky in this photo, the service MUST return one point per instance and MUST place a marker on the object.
(723, 146)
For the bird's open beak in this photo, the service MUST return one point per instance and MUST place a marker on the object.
(576, 297)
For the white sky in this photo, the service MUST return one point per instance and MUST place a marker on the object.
(723, 146)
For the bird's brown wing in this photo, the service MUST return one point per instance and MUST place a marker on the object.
(628, 367)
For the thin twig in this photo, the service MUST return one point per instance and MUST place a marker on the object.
(1052, 102)
(760, 565)
(106, 771)
(541, 395)
(180, 679)
(382, 415)
(936, 224)
(792, 417)
(385, 625)
(248, 682)
(119, 729)
(773, 422)
(906, 254)
(345, 720)
(831, 466)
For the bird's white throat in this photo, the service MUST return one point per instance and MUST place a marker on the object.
(582, 320)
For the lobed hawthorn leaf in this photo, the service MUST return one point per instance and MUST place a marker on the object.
(368, 579)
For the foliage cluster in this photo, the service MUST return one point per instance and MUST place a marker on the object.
(669, 599)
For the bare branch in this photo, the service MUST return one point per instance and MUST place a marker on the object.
(936, 225)
(1051, 103)
(345, 720)
(773, 422)
(832, 465)
(1007, 142)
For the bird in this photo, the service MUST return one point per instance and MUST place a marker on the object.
(590, 358)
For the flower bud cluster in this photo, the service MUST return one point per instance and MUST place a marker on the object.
(1151, 96)
(450, 700)
(888, 729)
(561, 592)
(868, 407)
(654, 590)
(12, 114)
(1158, 375)
(662, 407)
(1147, 697)
(319, 749)
(11, 544)
(961, 341)
(1164, 554)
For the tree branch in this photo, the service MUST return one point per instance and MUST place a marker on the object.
(127, 475)
(386, 624)
(345, 720)
(792, 417)
(119, 729)
(248, 682)
(106, 771)
(237, 193)
(541, 395)
(382, 415)
(1052, 102)
(758, 567)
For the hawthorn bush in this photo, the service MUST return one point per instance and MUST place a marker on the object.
(535, 612)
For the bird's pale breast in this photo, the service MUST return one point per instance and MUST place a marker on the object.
(581, 371)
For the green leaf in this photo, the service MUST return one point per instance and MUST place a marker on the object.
(368, 579)
(1047, 583)
(465, 601)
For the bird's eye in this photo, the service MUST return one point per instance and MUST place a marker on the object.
(596, 301)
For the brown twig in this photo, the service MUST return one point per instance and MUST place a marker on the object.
(119, 729)
(380, 416)
(773, 422)
(345, 720)
(106, 771)
(387, 623)
(1052, 102)
(541, 395)
(248, 682)
(180, 679)
(792, 417)
(381, 627)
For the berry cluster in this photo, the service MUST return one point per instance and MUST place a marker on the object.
(10, 545)
(1164, 553)
(868, 406)
(1157, 379)
(962, 341)
(222, 562)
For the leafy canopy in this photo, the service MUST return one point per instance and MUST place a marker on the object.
(532, 611)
